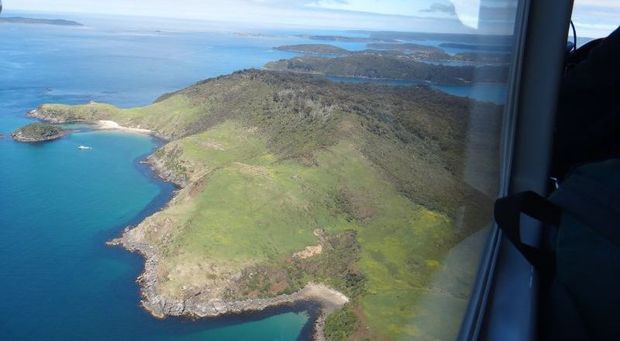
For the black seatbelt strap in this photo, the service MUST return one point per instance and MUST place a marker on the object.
(508, 217)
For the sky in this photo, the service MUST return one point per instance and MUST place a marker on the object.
(596, 18)
(593, 17)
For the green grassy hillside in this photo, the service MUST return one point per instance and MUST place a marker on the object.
(274, 165)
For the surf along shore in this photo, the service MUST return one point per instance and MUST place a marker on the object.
(133, 239)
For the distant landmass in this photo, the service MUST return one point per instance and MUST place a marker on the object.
(473, 39)
(495, 54)
(348, 39)
(430, 53)
(406, 47)
(407, 52)
(35, 21)
(501, 42)
(374, 64)
(320, 49)
(474, 47)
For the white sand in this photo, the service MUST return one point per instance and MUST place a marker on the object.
(111, 125)
(330, 298)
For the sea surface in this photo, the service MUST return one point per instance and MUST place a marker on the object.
(59, 204)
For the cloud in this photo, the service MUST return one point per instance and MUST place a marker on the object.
(401, 15)
(440, 8)
(599, 3)
(596, 18)
(299, 3)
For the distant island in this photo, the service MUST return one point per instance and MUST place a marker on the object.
(294, 189)
(38, 132)
(22, 20)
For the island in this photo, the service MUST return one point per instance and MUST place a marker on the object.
(37, 21)
(38, 132)
(296, 189)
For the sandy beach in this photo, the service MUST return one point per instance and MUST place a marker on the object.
(111, 125)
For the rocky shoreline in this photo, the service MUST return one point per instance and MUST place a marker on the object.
(36, 113)
(24, 139)
(38, 132)
(203, 305)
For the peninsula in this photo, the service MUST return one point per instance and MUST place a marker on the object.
(38, 132)
(294, 188)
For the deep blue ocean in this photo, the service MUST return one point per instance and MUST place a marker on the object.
(59, 205)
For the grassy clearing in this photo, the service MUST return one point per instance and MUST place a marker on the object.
(252, 209)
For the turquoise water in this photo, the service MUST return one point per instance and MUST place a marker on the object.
(59, 205)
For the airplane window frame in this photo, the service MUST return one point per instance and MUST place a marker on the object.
(540, 30)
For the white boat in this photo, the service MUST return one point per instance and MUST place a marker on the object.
(85, 147)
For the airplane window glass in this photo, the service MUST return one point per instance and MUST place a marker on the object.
(595, 19)
(283, 168)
